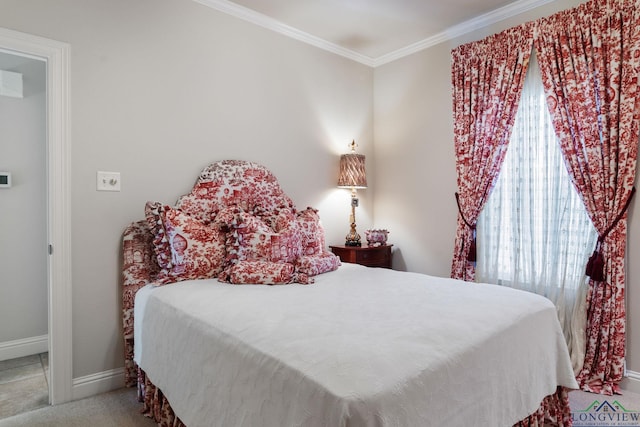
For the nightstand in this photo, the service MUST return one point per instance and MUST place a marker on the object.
(370, 256)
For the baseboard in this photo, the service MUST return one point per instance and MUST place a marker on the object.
(24, 347)
(101, 382)
(631, 382)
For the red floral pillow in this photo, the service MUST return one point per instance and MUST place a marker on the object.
(312, 265)
(252, 239)
(152, 212)
(262, 249)
(312, 232)
(314, 259)
(282, 220)
(196, 249)
(262, 273)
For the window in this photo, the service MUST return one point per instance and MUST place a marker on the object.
(534, 233)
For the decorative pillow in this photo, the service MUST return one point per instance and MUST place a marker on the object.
(262, 273)
(226, 218)
(262, 250)
(312, 265)
(254, 240)
(311, 231)
(152, 212)
(196, 249)
(281, 220)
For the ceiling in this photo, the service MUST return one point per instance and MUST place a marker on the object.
(373, 31)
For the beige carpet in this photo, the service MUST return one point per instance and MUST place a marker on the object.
(119, 408)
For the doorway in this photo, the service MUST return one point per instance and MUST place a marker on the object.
(58, 207)
(23, 256)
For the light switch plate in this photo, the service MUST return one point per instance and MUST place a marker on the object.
(107, 181)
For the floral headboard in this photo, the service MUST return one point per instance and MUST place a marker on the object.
(236, 225)
(232, 182)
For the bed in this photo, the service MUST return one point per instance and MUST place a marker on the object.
(330, 344)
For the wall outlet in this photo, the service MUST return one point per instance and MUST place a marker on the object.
(107, 181)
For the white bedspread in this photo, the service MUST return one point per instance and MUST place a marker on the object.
(360, 347)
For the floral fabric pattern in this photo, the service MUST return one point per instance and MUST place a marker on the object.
(152, 212)
(155, 404)
(553, 411)
(252, 239)
(247, 185)
(262, 251)
(312, 232)
(263, 273)
(315, 258)
(487, 79)
(590, 62)
(196, 250)
(257, 244)
(313, 265)
(139, 268)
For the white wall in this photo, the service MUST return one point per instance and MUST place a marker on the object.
(161, 88)
(415, 164)
(23, 259)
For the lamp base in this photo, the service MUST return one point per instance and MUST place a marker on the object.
(353, 238)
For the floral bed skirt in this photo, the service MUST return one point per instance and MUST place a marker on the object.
(553, 411)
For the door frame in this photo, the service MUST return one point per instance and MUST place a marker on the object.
(58, 154)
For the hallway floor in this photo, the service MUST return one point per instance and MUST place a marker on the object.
(24, 384)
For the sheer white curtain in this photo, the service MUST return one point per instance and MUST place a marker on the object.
(534, 233)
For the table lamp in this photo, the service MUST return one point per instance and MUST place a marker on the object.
(352, 175)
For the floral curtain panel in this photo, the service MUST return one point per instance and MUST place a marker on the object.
(487, 79)
(590, 62)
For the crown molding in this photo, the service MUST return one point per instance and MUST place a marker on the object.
(473, 24)
(450, 33)
(269, 23)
